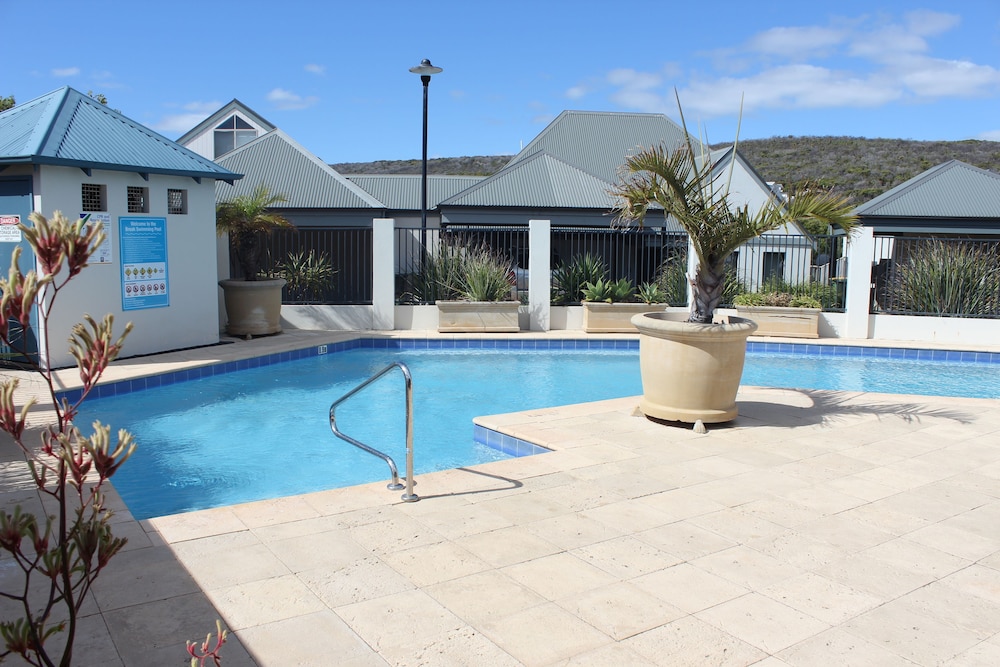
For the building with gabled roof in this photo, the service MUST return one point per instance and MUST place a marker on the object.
(67, 152)
(950, 198)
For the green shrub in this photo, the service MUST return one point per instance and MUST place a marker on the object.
(570, 279)
(946, 278)
(308, 276)
(671, 278)
(775, 299)
(484, 276)
(651, 293)
(618, 291)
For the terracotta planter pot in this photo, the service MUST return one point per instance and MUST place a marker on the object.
(478, 316)
(603, 317)
(783, 321)
(253, 307)
(690, 371)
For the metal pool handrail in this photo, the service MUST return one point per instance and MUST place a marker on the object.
(394, 485)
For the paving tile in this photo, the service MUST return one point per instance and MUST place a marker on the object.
(822, 598)
(264, 601)
(911, 633)
(949, 538)
(434, 563)
(609, 654)
(507, 546)
(228, 559)
(836, 647)
(620, 610)
(484, 596)
(737, 525)
(332, 549)
(685, 540)
(360, 580)
(918, 558)
(572, 530)
(400, 619)
(762, 622)
(690, 641)
(143, 575)
(628, 516)
(797, 549)
(462, 647)
(689, 588)
(626, 557)
(558, 576)
(746, 567)
(308, 640)
(565, 635)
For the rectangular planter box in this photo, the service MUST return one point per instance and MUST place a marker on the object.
(778, 321)
(478, 316)
(602, 317)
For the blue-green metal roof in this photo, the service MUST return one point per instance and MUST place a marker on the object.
(279, 162)
(952, 189)
(402, 191)
(68, 128)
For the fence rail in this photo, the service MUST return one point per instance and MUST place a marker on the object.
(348, 250)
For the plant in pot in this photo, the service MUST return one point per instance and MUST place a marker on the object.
(780, 313)
(253, 301)
(609, 305)
(482, 295)
(691, 367)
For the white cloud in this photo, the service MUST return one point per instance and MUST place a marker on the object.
(991, 135)
(577, 92)
(286, 100)
(66, 71)
(182, 122)
(313, 68)
(849, 63)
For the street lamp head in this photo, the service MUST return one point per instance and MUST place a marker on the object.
(426, 69)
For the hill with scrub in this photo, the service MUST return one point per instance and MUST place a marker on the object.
(855, 167)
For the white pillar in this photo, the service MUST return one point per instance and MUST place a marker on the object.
(383, 274)
(539, 274)
(857, 302)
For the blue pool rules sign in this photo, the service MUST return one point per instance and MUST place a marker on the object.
(143, 243)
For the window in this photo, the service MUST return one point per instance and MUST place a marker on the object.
(232, 133)
(774, 266)
(138, 199)
(177, 202)
(94, 197)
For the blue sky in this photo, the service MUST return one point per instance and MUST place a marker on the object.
(334, 75)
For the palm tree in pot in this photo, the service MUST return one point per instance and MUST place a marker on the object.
(687, 186)
(253, 302)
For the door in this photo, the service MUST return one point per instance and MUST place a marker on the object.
(15, 205)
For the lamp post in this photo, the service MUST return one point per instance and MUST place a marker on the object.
(425, 70)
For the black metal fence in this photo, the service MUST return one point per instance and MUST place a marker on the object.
(956, 277)
(814, 266)
(299, 255)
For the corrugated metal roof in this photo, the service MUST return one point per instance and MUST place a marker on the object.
(68, 128)
(598, 141)
(540, 181)
(402, 191)
(279, 162)
(952, 189)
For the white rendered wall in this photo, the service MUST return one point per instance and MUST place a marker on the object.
(192, 318)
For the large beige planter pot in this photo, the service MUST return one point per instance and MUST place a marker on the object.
(603, 317)
(253, 307)
(478, 316)
(783, 321)
(690, 371)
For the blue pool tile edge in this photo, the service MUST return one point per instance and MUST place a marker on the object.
(507, 444)
(139, 384)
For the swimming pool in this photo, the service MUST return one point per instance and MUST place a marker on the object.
(258, 428)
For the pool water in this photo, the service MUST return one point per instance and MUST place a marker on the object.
(264, 432)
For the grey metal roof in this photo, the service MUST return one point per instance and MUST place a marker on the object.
(279, 162)
(952, 189)
(402, 191)
(70, 129)
(539, 181)
(597, 142)
(223, 113)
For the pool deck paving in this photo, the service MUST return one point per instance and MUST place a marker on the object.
(818, 528)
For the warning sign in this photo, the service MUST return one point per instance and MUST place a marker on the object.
(9, 230)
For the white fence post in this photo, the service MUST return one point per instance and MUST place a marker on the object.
(857, 301)
(539, 274)
(383, 274)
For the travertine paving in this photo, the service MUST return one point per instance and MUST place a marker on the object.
(819, 528)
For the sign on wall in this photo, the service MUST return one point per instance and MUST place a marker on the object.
(9, 230)
(102, 254)
(143, 243)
